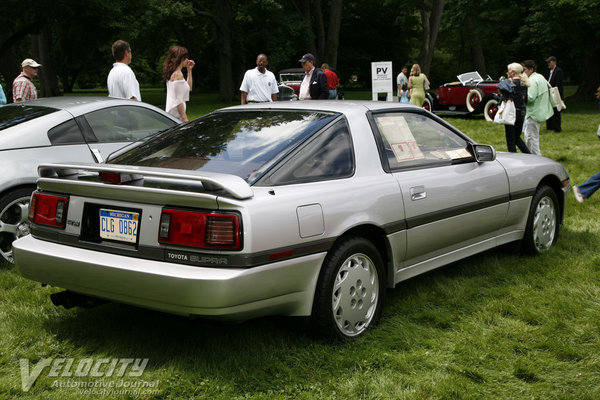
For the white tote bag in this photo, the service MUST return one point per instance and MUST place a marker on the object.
(507, 113)
(555, 99)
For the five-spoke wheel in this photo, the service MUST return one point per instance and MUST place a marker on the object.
(14, 222)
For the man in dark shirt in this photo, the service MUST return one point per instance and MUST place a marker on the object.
(556, 80)
(314, 84)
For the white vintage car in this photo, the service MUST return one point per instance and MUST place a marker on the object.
(298, 208)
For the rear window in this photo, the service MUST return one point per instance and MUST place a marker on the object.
(18, 113)
(242, 143)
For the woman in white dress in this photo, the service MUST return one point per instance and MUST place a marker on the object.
(178, 88)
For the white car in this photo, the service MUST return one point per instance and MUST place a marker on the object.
(60, 129)
(305, 208)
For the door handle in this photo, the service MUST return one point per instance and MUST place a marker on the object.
(418, 193)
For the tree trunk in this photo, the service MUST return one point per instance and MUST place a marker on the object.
(320, 29)
(431, 17)
(590, 77)
(333, 32)
(224, 23)
(47, 74)
(304, 10)
(476, 48)
(324, 42)
(9, 67)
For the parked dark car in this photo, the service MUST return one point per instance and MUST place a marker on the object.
(470, 95)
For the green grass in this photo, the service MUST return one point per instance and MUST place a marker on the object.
(494, 326)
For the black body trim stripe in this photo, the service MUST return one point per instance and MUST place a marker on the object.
(188, 256)
(455, 211)
(231, 260)
(522, 194)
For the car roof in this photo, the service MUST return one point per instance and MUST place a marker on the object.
(341, 106)
(77, 105)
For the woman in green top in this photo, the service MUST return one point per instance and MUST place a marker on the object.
(417, 82)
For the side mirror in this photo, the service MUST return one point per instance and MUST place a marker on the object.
(484, 152)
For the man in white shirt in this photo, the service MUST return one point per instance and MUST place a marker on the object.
(402, 79)
(121, 80)
(259, 84)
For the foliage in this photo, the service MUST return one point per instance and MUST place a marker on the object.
(474, 34)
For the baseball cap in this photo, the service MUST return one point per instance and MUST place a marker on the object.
(28, 62)
(307, 57)
(551, 58)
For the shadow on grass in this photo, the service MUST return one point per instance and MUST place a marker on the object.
(246, 353)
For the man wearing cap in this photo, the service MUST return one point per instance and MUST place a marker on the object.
(121, 80)
(314, 84)
(23, 87)
(556, 80)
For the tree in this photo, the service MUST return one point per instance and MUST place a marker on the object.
(569, 30)
(321, 41)
(431, 17)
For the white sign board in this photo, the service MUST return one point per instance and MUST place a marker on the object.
(381, 78)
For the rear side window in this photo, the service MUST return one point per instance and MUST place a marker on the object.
(328, 156)
(242, 143)
(66, 133)
(126, 123)
(18, 113)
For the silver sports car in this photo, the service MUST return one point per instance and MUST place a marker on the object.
(297, 208)
(60, 129)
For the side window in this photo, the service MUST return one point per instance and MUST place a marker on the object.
(128, 123)
(66, 133)
(411, 139)
(328, 156)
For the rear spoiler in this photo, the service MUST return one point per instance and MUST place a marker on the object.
(211, 181)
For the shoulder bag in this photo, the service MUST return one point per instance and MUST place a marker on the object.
(555, 99)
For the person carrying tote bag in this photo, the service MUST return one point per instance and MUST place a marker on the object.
(515, 89)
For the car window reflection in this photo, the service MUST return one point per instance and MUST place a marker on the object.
(411, 139)
(243, 143)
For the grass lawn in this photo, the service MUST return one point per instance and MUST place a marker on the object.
(493, 326)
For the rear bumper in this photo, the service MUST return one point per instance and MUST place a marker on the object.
(285, 287)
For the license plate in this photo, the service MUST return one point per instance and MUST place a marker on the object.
(119, 225)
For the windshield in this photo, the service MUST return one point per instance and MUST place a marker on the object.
(242, 143)
(470, 77)
(16, 114)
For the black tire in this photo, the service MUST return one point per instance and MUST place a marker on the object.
(474, 99)
(542, 227)
(14, 222)
(350, 290)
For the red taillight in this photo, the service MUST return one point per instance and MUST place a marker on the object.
(199, 229)
(48, 209)
(110, 177)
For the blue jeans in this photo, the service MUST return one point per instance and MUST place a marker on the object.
(332, 94)
(590, 186)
